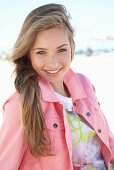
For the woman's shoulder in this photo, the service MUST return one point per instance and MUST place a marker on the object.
(11, 112)
(86, 82)
(12, 101)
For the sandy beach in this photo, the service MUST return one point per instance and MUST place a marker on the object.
(99, 69)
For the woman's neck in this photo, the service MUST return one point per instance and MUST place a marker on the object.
(62, 91)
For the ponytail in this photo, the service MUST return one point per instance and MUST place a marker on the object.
(32, 116)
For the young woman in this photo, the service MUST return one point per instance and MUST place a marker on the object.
(53, 121)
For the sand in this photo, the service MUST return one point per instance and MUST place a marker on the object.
(99, 69)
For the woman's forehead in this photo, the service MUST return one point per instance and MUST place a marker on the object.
(55, 37)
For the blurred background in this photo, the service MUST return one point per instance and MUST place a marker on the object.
(93, 22)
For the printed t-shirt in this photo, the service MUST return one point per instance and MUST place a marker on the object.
(86, 144)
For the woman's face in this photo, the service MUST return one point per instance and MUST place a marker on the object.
(50, 55)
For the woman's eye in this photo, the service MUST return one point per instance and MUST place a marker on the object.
(61, 50)
(41, 52)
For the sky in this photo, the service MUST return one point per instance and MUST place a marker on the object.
(89, 18)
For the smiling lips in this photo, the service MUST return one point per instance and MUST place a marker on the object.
(52, 72)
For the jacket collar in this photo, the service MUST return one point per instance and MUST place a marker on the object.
(71, 81)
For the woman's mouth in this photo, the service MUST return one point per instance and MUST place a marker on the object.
(52, 72)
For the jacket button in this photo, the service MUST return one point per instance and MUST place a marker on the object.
(88, 114)
(99, 130)
(98, 103)
(74, 103)
(55, 125)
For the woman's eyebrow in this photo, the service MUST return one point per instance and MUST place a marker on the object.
(62, 45)
(39, 49)
(45, 48)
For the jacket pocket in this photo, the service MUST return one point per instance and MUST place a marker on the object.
(56, 131)
(54, 124)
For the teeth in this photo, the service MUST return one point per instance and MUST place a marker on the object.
(52, 72)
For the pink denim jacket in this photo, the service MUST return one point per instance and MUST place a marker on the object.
(14, 152)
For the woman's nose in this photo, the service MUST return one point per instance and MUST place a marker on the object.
(52, 60)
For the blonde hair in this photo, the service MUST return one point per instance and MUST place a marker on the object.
(26, 83)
